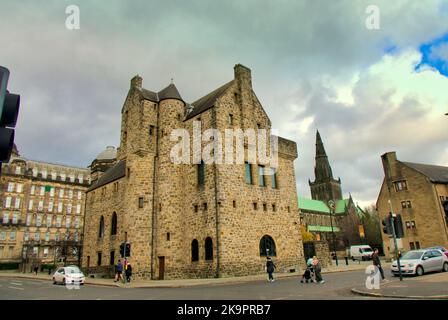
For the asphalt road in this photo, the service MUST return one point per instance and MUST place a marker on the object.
(337, 286)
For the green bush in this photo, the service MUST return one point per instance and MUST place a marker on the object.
(9, 266)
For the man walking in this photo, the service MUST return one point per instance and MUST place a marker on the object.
(377, 263)
(270, 267)
(118, 271)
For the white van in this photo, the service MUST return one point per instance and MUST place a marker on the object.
(361, 252)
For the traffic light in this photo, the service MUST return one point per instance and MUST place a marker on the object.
(387, 225)
(9, 110)
(125, 253)
(398, 226)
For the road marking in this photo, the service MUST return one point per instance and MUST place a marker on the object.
(16, 288)
(16, 283)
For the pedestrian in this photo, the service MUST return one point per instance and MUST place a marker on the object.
(377, 262)
(128, 272)
(309, 272)
(317, 269)
(118, 271)
(270, 267)
(36, 268)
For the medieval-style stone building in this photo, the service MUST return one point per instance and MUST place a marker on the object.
(192, 220)
(316, 213)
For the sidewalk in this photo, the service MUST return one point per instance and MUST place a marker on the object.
(430, 286)
(178, 283)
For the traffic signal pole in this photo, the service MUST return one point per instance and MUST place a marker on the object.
(395, 240)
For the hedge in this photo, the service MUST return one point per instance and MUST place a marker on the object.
(9, 266)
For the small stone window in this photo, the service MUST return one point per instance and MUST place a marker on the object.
(265, 207)
(234, 203)
(208, 248)
(230, 119)
(205, 206)
(140, 202)
(151, 130)
(194, 250)
(255, 206)
(289, 209)
(196, 208)
(167, 236)
(274, 208)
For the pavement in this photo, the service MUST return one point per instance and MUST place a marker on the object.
(429, 286)
(180, 283)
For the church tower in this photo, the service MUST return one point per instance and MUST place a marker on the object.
(324, 187)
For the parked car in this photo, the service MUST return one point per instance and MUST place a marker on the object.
(445, 251)
(68, 275)
(419, 262)
(361, 252)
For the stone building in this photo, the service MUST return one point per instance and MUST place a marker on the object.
(416, 191)
(196, 219)
(42, 211)
(316, 213)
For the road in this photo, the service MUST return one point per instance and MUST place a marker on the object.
(337, 286)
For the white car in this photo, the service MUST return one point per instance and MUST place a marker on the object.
(68, 275)
(418, 262)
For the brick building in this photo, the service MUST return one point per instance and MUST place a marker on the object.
(42, 211)
(417, 192)
(192, 220)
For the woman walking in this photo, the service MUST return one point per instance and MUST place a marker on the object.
(317, 269)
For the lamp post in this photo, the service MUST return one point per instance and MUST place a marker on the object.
(331, 204)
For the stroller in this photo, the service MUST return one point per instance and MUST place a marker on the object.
(308, 275)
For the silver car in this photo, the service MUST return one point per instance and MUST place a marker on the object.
(68, 275)
(418, 262)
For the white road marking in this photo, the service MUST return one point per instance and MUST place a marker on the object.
(16, 283)
(16, 288)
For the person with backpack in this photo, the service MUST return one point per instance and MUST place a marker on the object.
(270, 268)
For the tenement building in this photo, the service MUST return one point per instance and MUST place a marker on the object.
(323, 220)
(42, 212)
(195, 218)
(418, 192)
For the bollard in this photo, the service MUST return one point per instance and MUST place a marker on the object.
(346, 261)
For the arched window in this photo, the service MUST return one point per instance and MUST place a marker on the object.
(113, 229)
(208, 248)
(267, 246)
(101, 230)
(194, 250)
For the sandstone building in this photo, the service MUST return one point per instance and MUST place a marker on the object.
(42, 211)
(192, 220)
(316, 213)
(418, 192)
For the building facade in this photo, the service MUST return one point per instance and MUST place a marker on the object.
(194, 219)
(340, 225)
(42, 216)
(417, 192)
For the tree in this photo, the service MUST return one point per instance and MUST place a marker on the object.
(306, 235)
(372, 226)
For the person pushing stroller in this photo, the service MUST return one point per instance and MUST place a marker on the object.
(308, 275)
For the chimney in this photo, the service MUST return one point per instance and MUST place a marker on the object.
(136, 82)
(243, 75)
(389, 160)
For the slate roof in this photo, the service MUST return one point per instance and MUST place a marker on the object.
(208, 101)
(436, 174)
(169, 92)
(116, 172)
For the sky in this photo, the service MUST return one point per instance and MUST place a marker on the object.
(315, 65)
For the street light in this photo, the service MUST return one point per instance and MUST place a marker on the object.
(331, 204)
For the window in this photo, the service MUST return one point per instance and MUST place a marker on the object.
(289, 209)
(113, 229)
(112, 258)
(201, 173)
(267, 247)
(196, 207)
(61, 193)
(261, 181)
(99, 259)
(12, 236)
(58, 221)
(194, 250)
(60, 206)
(63, 176)
(412, 245)
(413, 224)
(47, 236)
(77, 222)
(167, 236)
(408, 224)
(17, 204)
(88, 261)
(26, 236)
(42, 190)
(400, 185)
(101, 228)
(78, 208)
(274, 178)
(234, 203)
(68, 222)
(49, 218)
(40, 206)
(406, 204)
(140, 202)
(52, 192)
(70, 194)
(79, 195)
(53, 175)
(10, 187)
(35, 251)
(36, 236)
(50, 206)
(5, 217)
(248, 172)
(30, 205)
(8, 202)
(255, 206)
(81, 178)
(44, 174)
(274, 208)
(205, 206)
(34, 172)
(18, 171)
(46, 252)
(29, 218)
(265, 207)
(56, 236)
(417, 245)
(33, 188)
(208, 248)
(151, 130)
(69, 208)
(15, 217)
(230, 119)
(38, 220)
(19, 187)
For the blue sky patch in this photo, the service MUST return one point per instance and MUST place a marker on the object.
(431, 55)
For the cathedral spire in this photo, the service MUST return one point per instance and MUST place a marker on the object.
(322, 170)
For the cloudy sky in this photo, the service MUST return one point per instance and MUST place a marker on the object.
(315, 65)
